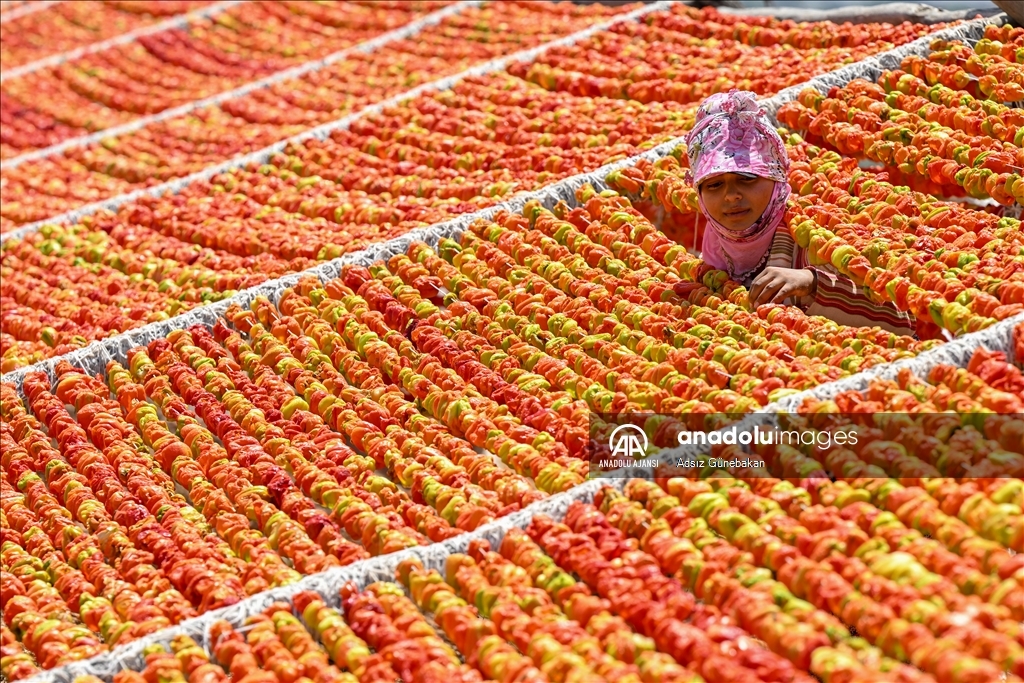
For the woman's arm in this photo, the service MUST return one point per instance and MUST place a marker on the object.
(775, 284)
(821, 290)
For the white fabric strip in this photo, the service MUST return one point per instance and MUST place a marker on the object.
(321, 132)
(889, 13)
(365, 47)
(172, 23)
(27, 9)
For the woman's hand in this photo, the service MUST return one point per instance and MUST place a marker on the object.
(774, 285)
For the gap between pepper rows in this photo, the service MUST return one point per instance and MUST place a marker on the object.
(365, 47)
(174, 22)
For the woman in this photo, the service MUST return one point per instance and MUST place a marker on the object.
(739, 167)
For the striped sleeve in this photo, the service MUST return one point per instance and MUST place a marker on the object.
(840, 299)
(837, 297)
(784, 249)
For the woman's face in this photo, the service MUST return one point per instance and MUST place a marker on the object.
(736, 201)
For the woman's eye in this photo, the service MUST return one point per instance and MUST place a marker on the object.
(713, 186)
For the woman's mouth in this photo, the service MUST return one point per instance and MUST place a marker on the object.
(737, 213)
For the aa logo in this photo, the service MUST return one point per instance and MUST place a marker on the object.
(628, 441)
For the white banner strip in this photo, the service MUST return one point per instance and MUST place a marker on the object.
(172, 23)
(887, 13)
(321, 132)
(365, 47)
(27, 9)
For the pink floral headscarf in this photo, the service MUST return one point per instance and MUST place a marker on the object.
(733, 135)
